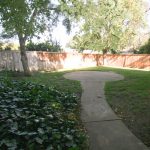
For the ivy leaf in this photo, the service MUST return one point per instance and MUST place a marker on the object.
(14, 126)
(39, 140)
(50, 147)
(11, 144)
(69, 137)
(40, 131)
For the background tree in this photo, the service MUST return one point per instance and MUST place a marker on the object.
(45, 46)
(109, 24)
(144, 49)
(27, 18)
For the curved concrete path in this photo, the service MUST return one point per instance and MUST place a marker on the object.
(106, 131)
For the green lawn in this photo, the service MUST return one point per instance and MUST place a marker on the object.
(130, 99)
(54, 79)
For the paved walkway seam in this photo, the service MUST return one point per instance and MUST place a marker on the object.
(101, 121)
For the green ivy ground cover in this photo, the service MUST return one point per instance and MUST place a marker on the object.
(34, 116)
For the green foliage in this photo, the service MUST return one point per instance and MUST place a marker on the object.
(54, 47)
(24, 17)
(7, 46)
(33, 116)
(145, 49)
(113, 51)
(109, 24)
(1, 45)
(27, 18)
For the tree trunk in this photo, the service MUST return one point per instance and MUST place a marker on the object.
(24, 58)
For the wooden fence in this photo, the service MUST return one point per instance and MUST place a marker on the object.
(46, 61)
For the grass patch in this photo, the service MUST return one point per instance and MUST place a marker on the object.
(52, 79)
(130, 99)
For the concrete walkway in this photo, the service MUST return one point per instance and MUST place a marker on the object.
(106, 131)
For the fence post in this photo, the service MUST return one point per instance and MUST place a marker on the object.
(149, 64)
(124, 61)
(103, 59)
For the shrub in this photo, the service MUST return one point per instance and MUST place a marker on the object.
(112, 51)
(51, 47)
(145, 49)
(34, 116)
(6, 46)
(1, 45)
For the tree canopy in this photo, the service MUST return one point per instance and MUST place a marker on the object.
(31, 17)
(109, 24)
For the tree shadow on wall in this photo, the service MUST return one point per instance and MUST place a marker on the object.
(50, 61)
(142, 62)
(98, 58)
(131, 61)
(114, 60)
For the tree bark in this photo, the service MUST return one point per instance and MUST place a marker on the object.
(24, 58)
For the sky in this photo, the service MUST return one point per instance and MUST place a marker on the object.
(148, 12)
(60, 35)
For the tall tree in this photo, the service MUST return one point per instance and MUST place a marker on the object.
(28, 18)
(109, 24)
